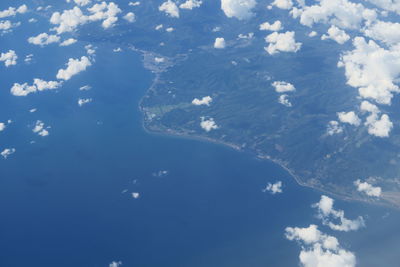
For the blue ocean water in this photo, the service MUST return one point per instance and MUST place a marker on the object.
(62, 199)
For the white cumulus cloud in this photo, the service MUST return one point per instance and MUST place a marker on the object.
(349, 117)
(240, 9)
(368, 189)
(266, 26)
(204, 101)
(274, 188)
(38, 85)
(327, 213)
(7, 152)
(219, 43)
(9, 58)
(319, 249)
(190, 4)
(74, 66)
(43, 39)
(283, 87)
(281, 42)
(170, 8)
(208, 124)
(336, 34)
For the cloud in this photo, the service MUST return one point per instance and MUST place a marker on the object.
(276, 26)
(368, 189)
(208, 124)
(281, 42)
(389, 5)
(68, 42)
(372, 69)
(204, 101)
(336, 34)
(83, 101)
(275, 188)
(219, 43)
(69, 20)
(115, 264)
(349, 117)
(283, 4)
(283, 87)
(130, 17)
(80, 2)
(43, 39)
(38, 85)
(9, 58)
(74, 66)
(190, 4)
(319, 249)
(283, 99)
(341, 13)
(12, 11)
(379, 127)
(2, 126)
(137, 3)
(39, 129)
(386, 32)
(240, 9)
(334, 128)
(7, 152)
(170, 8)
(326, 213)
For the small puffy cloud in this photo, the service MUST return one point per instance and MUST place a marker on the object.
(368, 189)
(38, 85)
(281, 42)
(74, 66)
(68, 42)
(275, 188)
(115, 264)
(169, 29)
(137, 3)
(372, 69)
(83, 101)
(389, 5)
(6, 26)
(12, 11)
(43, 39)
(283, 87)
(204, 101)
(327, 213)
(208, 124)
(2, 126)
(349, 117)
(219, 43)
(135, 195)
(159, 27)
(69, 20)
(7, 152)
(85, 88)
(130, 17)
(312, 34)
(190, 4)
(40, 129)
(80, 2)
(266, 26)
(170, 8)
(283, 4)
(384, 31)
(334, 128)
(319, 249)
(284, 100)
(341, 13)
(379, 127)
(240, 9)
(336, 34)
(9, 58)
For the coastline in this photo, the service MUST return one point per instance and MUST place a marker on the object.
(158, 70)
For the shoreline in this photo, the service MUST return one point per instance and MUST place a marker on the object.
(172, 134)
